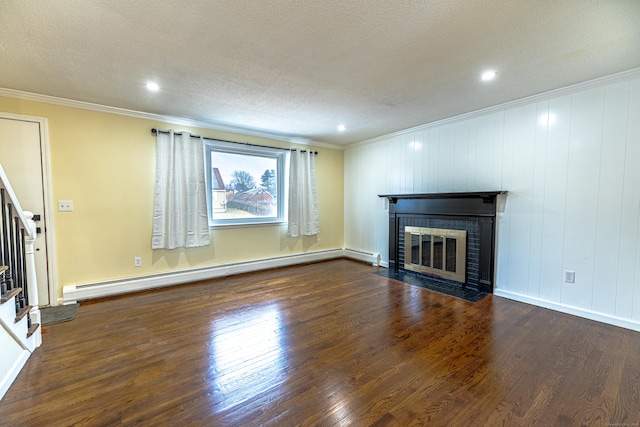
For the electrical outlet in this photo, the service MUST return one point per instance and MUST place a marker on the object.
(65, 206)
(569, 276)
(319, 242)
(137, 261)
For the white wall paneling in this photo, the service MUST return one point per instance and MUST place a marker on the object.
(569, 161)
(537, 197)
(609, 197)
(431, 141)
(446, 157)
(582, 194)
(462, 153)
(629, 281)
(554, 198)
(519, 203)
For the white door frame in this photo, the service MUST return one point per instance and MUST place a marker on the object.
(45, 164)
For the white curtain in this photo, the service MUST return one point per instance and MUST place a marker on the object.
(180, 207)
(303, 196)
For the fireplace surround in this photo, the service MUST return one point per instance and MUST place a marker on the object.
(473, 214)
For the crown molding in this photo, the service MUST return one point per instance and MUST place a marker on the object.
(613, 78)
(64, 102)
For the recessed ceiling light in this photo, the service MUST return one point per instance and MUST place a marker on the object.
(153, 86)
(342, 128)
(488, 75)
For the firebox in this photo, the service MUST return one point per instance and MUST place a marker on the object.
(436, 251)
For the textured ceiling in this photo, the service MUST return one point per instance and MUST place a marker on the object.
(301, 68)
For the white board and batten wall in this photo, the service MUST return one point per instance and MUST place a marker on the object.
(570, 162)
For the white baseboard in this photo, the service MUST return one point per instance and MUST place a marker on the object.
(11, 376)
(75, 293)
(576, 311)
(368, 257)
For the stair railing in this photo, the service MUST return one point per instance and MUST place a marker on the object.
(17, 236)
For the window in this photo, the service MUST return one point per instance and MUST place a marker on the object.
(245, 184)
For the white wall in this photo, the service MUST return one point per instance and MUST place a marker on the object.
(573, 187)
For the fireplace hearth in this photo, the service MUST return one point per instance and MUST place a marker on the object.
(444, 238)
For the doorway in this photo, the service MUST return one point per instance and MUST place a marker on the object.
(24, 155)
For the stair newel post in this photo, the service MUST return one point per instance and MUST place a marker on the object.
(30, 261)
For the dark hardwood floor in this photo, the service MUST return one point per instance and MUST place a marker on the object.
(325, 344)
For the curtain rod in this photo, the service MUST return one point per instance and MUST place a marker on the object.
(155, 131)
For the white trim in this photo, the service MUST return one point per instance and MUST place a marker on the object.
(49, 235)
(75, 293)
(13, 328)
(281, 158)
(368, 257)
(568, 309)
(624, 75)
(13, 373)
(53, 100)
(45, 164)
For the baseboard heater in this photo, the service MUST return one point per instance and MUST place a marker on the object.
(75, 293)
(368, 257)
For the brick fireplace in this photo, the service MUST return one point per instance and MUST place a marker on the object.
(448, 238)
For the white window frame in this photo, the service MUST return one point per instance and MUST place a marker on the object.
(280, 155)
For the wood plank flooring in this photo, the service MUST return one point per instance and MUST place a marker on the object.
(324, 344)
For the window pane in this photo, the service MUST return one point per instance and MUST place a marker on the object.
(243, 186)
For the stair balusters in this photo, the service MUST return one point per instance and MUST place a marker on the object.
(12, 253)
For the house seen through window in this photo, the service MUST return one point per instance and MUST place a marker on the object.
(245, 184)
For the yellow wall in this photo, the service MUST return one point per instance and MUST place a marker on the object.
(105, 164)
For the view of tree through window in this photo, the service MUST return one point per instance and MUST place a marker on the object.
(246, 188)
(245, 183)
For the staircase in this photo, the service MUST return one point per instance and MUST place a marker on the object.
(20, 332)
